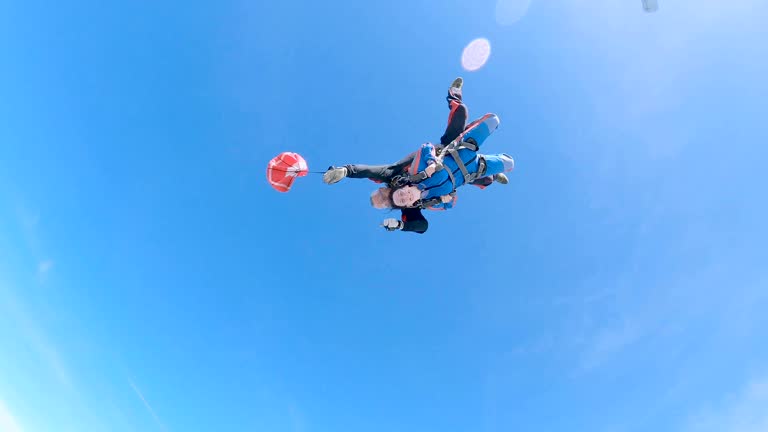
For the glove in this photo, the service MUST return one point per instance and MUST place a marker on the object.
(399, 181)
(392, 224)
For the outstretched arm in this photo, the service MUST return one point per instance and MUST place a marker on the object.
(411, 220)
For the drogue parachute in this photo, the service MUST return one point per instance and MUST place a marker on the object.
(284, 169)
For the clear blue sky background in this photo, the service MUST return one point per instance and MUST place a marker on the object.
(151, 280)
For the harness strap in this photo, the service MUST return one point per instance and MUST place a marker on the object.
(457, 144)
(482, 167)
(450, 175)
(468, 178)
(418, 177)
(453, 150)
(425, 204)
(470, 145)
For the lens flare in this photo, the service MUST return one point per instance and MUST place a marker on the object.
(476, 54)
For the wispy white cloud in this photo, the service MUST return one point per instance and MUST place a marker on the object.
(610, 341)
(29, 226)
(26, 324)
(29, 223)
(43, 267)
(745, 411)
(8, 422)
(147, 405)
(36, 338)
(29, 218)
(297, 418)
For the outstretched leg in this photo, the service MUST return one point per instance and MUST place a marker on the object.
(498, 164)
(457, 117)
(495, 167)
(484, 182)
(377, 173)
(479, 130)
(457, 125)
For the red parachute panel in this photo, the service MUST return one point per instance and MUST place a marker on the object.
(283, 170)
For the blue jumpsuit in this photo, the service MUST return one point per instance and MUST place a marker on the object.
(440, 183)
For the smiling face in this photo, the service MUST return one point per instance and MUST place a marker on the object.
(406, 196)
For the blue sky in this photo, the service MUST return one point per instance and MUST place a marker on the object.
(151, 280)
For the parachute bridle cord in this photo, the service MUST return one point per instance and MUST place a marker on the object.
(295, 171)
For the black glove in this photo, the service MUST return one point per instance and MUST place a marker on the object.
(399, 181)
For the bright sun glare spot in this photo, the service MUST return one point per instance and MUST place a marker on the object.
(476, 54)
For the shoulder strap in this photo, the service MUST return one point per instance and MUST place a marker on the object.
(451, 149)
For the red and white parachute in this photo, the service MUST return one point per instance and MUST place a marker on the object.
(283, 170)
